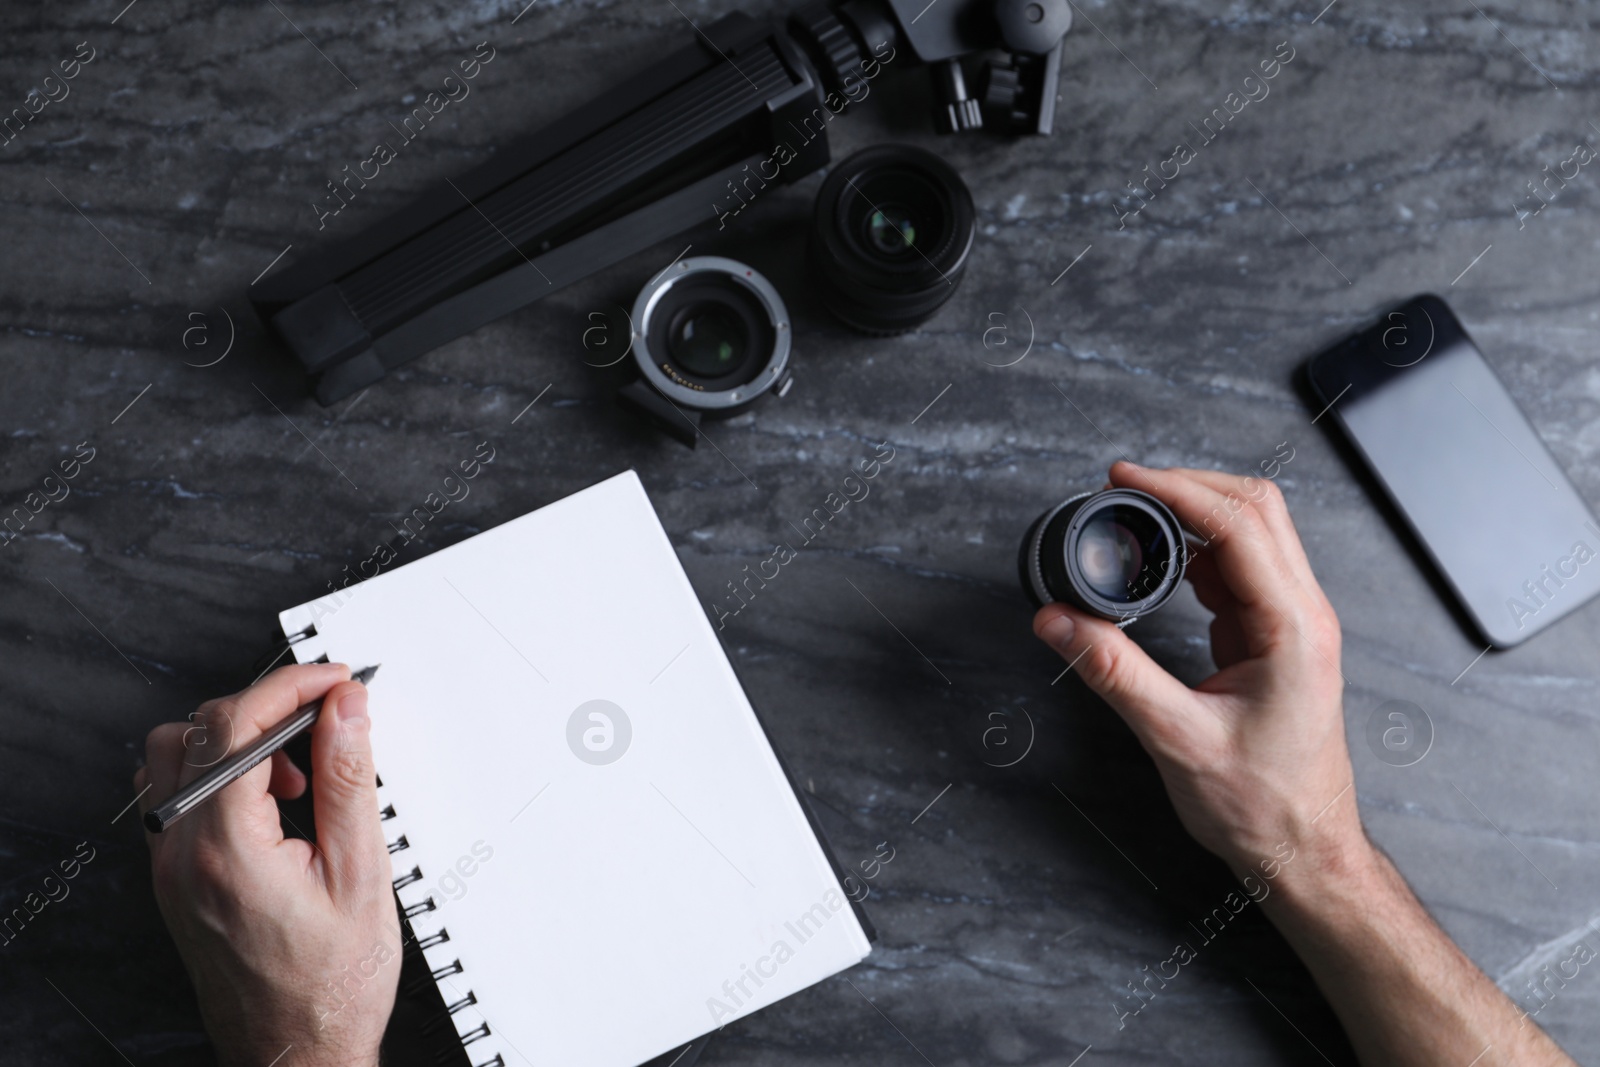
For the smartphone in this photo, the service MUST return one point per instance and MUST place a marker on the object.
(1509, 533)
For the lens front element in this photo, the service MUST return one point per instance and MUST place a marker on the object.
(1116, 554)
(890, 230)
(1109, 555)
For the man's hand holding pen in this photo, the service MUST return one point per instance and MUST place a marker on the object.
(272, 928)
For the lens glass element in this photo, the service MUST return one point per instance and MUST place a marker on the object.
(891, 230)
(1121, 551)
(1117, 554)
(891, 237)
(899, 215)
(1110, 556)
(707, 341)
(710, 331)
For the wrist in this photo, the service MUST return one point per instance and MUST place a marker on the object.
(303, 1055)
(1333, 884)
(310, 1048)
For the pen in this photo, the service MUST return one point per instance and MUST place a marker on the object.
(240, 763)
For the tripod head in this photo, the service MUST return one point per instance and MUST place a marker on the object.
(744, 106)
(1016, 91)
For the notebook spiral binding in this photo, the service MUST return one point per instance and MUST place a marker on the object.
(423, 909)
(281, 645)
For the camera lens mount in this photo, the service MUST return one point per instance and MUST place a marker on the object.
(1116, 554)
(890, 238)
(711, 334)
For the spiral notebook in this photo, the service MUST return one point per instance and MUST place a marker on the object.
(592, 838)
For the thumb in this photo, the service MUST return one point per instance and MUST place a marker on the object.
(344, 788)
(1149, 699)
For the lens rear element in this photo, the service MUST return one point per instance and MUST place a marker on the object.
(708, 341)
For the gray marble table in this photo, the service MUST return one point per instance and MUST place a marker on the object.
(1390, 156)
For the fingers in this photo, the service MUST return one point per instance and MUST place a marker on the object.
(1268, 501)
(1278, 610)
(163, 763)
(1248, 559)
(1228, 644)
(221, 727)
(246, 807)
(1149, 699)
(244, 812)
(345, 789)
(288, 781)
(1200, 571)
(141, 795)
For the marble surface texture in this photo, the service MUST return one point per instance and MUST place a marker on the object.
(1387, 160)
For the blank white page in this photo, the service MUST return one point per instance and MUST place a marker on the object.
(602, 913)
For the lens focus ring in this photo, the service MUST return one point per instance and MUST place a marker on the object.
(1117, 554)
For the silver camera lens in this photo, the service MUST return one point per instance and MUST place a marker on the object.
(1117, 554)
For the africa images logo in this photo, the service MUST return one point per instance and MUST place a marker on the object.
(599, 732)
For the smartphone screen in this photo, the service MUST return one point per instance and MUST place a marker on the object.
(1467, 471)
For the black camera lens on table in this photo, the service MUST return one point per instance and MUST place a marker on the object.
(709, 336)
(890, 239)
(1117, 554)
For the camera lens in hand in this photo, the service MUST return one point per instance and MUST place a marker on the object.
(1116, 554)
(890, 238)
(711, 334)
